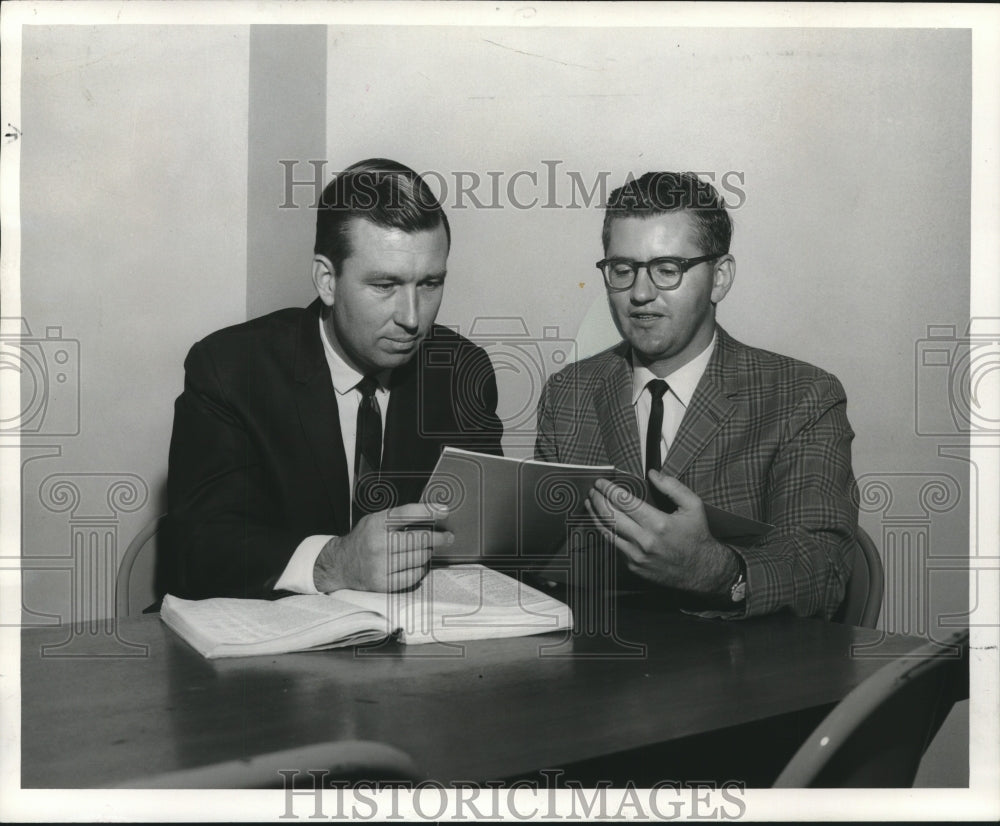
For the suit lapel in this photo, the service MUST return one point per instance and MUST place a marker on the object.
(413, 439)
(316, 401)
(616, 415)
(711, 407)
(402, 420)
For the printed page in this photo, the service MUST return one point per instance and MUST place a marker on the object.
(480, 587)
(466, 602)
(241, 627)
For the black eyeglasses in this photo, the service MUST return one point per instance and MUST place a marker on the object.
(665, 273)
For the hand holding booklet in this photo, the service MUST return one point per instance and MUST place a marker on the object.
(460, 602)
(501, 507)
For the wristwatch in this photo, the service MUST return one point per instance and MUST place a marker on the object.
(738, 590)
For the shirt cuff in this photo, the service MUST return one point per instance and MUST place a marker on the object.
(298, 574)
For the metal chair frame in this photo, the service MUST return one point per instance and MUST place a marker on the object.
(866, 587)
(142, 543)
(876, 736)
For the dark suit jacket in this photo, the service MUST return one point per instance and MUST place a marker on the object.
(257, 462)
(765, 436)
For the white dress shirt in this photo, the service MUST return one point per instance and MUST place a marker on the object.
(298, 573)
(682, 383)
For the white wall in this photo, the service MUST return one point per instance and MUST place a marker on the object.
(133, 206)
(854, 150)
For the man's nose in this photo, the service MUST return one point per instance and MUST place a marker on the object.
(643, 289)
(407, 309)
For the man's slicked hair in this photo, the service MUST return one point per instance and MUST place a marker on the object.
(385, 192)
(657, 193)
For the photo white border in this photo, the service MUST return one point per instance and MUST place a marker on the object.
(980, 801)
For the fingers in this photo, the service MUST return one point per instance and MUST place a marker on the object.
(397, 571)
(621, 512)
(634, 553)
(439, 539)
(620, 497)
(420, 539)
(405, 560)
(404, 580)
(415, 513)
(682, 495)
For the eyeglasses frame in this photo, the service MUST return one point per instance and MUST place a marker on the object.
(683, 263)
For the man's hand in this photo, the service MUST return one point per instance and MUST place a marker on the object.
(672, 549)
(386, 551)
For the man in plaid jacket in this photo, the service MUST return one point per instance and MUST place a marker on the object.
(708, 418)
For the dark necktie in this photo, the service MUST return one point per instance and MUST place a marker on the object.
(367, 448)
(654, 433)
(624, 578)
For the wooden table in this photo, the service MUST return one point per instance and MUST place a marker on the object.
(493, 709)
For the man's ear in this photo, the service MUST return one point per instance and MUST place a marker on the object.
(722, 277)
(324, 279)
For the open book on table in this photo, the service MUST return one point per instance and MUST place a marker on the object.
(457, 603)
(503, 507)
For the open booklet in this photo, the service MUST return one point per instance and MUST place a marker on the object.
(457, 603)
(503, 507)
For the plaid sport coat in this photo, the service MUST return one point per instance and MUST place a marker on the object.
(764, 436)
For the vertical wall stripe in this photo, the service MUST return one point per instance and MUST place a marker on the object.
(287, 121)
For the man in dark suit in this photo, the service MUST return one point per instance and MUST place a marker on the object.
(706, 418)
(303, 439)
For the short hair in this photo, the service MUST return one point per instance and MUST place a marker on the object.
(379, 190)
(657, 193)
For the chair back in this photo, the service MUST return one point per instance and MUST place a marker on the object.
(866, 586)
(135, 585)
(875, 737)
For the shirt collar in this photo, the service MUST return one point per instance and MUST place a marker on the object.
(683, 381)
(345, 378)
